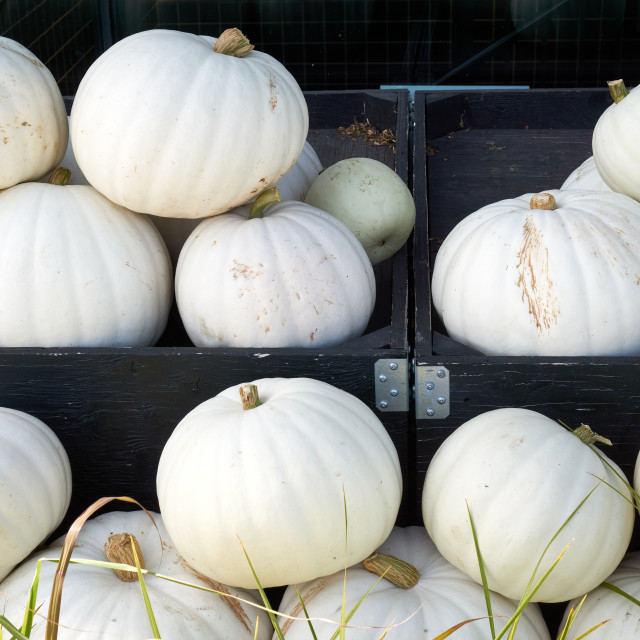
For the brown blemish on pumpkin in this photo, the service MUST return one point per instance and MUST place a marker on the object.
(273, 92)
(33, 61)
(223, 591)
(534, 277)
(245, 271)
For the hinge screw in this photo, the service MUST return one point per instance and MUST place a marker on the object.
(384, 404)
(430, 386)
(393, 366)
(441, 373)
(393, 392)
(382, 377)
(430, 411)
(441, 400)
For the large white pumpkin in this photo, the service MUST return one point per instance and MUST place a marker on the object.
(602, 604)
(78, 270)
(164, 124)
(294, 276)
(516, 279)
(35, 485)
(441, 598)
(522, 475)
(616, 141)
(33, 118)
(274, 478)
(98, 605)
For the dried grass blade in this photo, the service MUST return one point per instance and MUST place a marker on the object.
(452, 630)
(53, 617)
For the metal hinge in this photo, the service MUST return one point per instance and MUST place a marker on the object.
(431, 392)
(392, 384)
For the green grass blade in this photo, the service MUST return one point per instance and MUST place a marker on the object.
(571, 616)
(145, 593)
(525, 601)
(265, 598)
(306, 614)
(620, 592)
(31, 609)
(16, 633)
(483, 574)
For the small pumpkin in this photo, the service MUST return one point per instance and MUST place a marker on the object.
(543, 274)
(273, 274)
(99, 603)
(268, 466)
(421, 595)
(35, 485)
(175, 124)
(371, 199)
(33, 119)
(78, 270)
(616, 141)
(521, 475)
(586, 177)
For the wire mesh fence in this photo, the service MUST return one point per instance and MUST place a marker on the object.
(355, 44)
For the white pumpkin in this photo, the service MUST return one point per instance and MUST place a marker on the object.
(372, 201)
(616, 141)
(521, 475)
(35, 485)
(603, 605)
(586, 177)
(97, 604)
(437, 598)
(275, 476)
(292, 186)
(293, 276)
(33, 117)
(516, 279)
(163, 123)
(79, 270)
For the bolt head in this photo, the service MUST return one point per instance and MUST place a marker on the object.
(393, 366)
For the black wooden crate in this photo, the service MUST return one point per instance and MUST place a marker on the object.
(471, 149)
(114, 409)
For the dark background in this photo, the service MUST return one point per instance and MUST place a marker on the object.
(356, 44)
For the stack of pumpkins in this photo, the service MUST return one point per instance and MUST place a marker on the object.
(554, 273)
(297, 484)
(172, 136)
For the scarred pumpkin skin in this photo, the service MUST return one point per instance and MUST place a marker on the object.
(163, 124)
(510, 279)
(33, 117)
(296, 277)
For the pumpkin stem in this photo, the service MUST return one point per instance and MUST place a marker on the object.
(585, 434)
(544, 201)
(617, 90)
(265, 198)
(119, 547)
(398, 572)
(232, 42)
(249, 396)
(60, 176)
